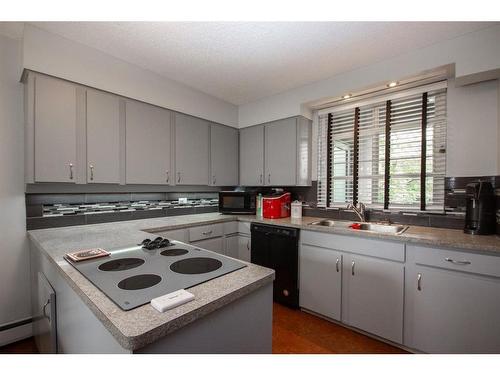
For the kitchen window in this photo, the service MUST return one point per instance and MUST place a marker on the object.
(387, 152)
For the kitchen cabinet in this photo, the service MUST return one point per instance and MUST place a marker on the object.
(321, 280)
(281, 152)
(373, 295)
(276, 153)
(252, 156)
(223, 155)
(212, 244)
(55, 128)
(231, 246)
(103, 137)
(245, 248)
(191, 150)
(148, 144)
(452, 303)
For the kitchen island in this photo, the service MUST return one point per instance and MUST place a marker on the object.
(230, 314)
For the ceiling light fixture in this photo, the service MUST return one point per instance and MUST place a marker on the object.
(347, 96)
(392, 84)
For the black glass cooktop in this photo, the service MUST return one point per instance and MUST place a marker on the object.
(132, 276)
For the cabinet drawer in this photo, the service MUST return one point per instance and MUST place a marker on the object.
(176, 234)
(231, 227)
(206, 231)
(353, 244)
(457, 260)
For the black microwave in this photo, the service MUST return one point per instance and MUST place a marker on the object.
(237, 202)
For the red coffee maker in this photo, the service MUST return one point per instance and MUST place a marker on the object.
(276, 206)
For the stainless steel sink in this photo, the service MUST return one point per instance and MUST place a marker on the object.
(370, 227)
(383, 228)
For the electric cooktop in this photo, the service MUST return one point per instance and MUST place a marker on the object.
(133, 276)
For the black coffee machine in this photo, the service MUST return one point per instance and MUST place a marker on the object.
(480, 217)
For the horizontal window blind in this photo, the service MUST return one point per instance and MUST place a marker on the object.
(388, 154)
(322, 159)
(341, 157)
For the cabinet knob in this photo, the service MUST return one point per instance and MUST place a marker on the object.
(91, 166)
(419, 281)
(70, 171)
(44, 313)
(260, 179)
(168, 177)
(459, 262)
(352, 268)
(214, 179)
(269, 178)
(337, 264)
(178, 176)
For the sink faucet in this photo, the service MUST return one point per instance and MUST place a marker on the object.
(360, 210)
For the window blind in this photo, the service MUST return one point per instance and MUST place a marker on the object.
(387, 154)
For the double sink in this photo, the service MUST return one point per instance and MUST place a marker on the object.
(368, 227)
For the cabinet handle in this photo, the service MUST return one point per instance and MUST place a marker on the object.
(178, 176)
(70, 171)
(168, 177)
(352, 268)
(337, 265)
(260, 179)
(419, 281)
(214, 179)
(248, 245)
(460, 262)
(43, 310)
(269, 178)
(207, 233)
(91, 172)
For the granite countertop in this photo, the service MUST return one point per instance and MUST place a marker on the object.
(141, 326)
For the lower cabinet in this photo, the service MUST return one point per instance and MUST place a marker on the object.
(212, 244)
(244, 248)
(320, 280)
(231, 246)
(452, 312)
(373, 295)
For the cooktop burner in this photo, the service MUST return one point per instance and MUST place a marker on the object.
(121, 264)
(139, 282)
(132, 276)
(174, 252)
(191, 266)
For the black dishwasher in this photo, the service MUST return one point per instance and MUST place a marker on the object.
(278, 248)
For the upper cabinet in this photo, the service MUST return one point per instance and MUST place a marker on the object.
(103, 137)
(252, 156)
(53, 119)
(276, 154)
(281, 152)
(148, 144)
(191, 150)
(223, 155)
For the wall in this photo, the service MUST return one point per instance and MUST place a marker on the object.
(51, 54)
(14, 264)
(475, 56)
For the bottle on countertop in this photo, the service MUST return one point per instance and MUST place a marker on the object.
(259, 206)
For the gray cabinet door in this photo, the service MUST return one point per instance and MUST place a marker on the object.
(281, 152)
(55, 130)
(244, 248)
(223, 156)
(373, 296)
(453, 312)
(231, 246)
(191, 150)
(103, 138)
(147, 144)
(321, 280)
(252, 156)
(213, 244)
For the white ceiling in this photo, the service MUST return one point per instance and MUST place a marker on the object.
(241, 62)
